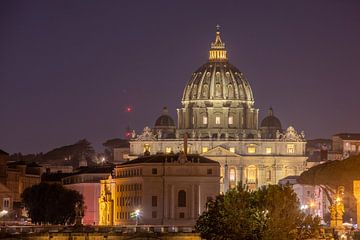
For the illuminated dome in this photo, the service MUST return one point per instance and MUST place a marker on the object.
(218, 79)
(218, 100)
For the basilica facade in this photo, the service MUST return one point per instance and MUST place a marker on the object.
(218, 120)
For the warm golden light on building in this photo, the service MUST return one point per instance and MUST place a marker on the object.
(218, 51)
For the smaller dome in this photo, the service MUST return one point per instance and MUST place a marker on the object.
(164, 120)
(270, 121)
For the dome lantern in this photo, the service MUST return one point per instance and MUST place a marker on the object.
(217, 51)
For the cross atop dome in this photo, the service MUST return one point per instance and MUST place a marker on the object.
(217, 51)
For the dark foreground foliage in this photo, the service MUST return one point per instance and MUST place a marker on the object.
(52, 204)
(271, 212)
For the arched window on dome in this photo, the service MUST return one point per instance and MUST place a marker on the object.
(217, 90)
(205, 90)
(194, 91)
(230, 91)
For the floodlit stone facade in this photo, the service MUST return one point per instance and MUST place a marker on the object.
(219, 120)
(166, 190)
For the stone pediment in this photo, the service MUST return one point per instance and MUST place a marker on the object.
(219, 151)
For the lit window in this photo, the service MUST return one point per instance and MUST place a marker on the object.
(290, 148)
(217, 120)
(251, 174)
(231, 120)
(353, 148)
(205, 120)
(168, 150)
(232, 174)
(146, 148)
(232, 149)
(268, 150)
(205, 149)
(251, 149)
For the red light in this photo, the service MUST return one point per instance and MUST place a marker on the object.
(128, 109)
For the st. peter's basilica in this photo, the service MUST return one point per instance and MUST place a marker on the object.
(218, 120)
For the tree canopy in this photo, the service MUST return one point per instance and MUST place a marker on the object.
(114, 143)
(271, 212)
(71, 154)
(52, 204)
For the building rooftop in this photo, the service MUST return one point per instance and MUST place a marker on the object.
(3, 152)
(162, 158)
(348, 136)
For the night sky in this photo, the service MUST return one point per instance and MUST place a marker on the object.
(69, 69)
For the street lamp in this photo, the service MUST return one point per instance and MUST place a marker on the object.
(3, 212)
(137, 215)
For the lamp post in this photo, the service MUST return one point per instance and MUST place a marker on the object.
(137, 215)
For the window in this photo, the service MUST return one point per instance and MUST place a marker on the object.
(182, 198)
(181, 215)
(217, 120)
(231, 120)
(251, 174)
(268, 150)
(290, 148)
(205, 149)
(251, 149)
(232, 174)
(205, 120)
(6, 203)
(154, 171)
(353, 148)
(146, 148)
(209, 171)
(168, 150)
(154, 214)
(232, 149)
(268, 175)
(154, 201)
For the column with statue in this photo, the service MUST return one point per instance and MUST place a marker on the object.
(337, 209)
(356, 186)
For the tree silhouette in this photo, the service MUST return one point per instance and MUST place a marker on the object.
(52, 203)
(271, 212)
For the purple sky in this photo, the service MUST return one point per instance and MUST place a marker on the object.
(68, 69)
